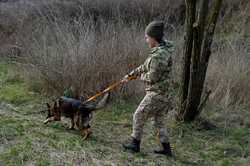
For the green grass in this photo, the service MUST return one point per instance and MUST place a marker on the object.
(25, 140)
(12, 88)
(15, 93)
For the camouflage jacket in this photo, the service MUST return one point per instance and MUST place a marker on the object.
(156, 69)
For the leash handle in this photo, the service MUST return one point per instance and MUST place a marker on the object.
(109, 88)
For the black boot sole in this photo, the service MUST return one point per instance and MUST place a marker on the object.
(164, 153)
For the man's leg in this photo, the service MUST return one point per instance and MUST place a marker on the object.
(139, 118)
(159, 121)
(162, 133)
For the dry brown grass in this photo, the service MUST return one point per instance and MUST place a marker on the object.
(88, 61)
(90, 44)
(228, 73)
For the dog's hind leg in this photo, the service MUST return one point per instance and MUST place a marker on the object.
(72, 127)
(77, 120)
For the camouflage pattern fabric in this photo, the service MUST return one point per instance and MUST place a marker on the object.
(153, 106)
(155, 72)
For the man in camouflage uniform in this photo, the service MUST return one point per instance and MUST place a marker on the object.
(155, 72)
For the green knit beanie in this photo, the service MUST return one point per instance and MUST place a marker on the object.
(155, 30)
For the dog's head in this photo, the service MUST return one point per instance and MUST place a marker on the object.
(53, 113)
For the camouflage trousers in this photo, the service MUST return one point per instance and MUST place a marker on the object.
(153, 106)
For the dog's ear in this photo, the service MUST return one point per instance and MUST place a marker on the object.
(48, 105)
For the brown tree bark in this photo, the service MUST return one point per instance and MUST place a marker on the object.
(188, 45)
(197, 57)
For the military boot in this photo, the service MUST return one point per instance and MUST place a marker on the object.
(133, 145)
(165, 151)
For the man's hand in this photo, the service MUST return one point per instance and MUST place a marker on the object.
(125, 79)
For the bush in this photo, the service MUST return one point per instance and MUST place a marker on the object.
(88, 61)
(90, 44)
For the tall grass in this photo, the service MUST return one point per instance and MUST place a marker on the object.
(229, 73)
(89, 44)
(88, 60)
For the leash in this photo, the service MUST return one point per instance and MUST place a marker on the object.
(108, 89)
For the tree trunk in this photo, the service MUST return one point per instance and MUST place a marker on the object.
(188, 45)
(196, 60)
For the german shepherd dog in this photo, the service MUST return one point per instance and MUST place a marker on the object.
(79, 114)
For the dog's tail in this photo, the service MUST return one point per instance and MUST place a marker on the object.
(102, 102)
